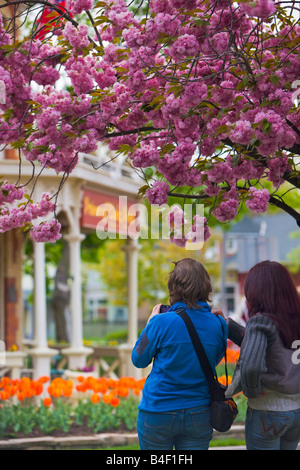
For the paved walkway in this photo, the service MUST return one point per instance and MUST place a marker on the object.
(103, 440)
(236, 448)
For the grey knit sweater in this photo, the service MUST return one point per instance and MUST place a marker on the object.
(265, 372)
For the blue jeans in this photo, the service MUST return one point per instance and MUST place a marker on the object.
(180, 429)
(272, 430)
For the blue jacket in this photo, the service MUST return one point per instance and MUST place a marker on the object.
(176, 380)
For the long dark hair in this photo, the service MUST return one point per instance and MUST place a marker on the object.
(188, 282)
(270, 290)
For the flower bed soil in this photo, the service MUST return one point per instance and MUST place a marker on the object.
(75, 430)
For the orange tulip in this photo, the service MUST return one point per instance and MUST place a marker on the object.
(29, 393)
(47, 401)
(39, 389)
(67, 392)
(44, 379)
(112, 383)
(107, 398)
(123, 391)
(115, 401)
(5, 381)
(95, 398)
(21, 396)
(4, 395)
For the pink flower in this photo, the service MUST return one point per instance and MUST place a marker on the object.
(78, 38)
(194, 93)
(179, 240)
(46, 231)
(185, 4)
(46, 76)
(227, 210)
(175, 217)
(224, 94)
(260, 8)
(145, 156)
(78, 6)
(258, 200)
(200, 231)
(242, 132)
(277, 168)
(9, 193)
(185, 46)
(219, 173)
(159, 193)
(134, 37)
(245, 169)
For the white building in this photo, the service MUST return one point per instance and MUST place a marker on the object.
(84, 190)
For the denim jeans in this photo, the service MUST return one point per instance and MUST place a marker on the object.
(180, 429)
(272, 430)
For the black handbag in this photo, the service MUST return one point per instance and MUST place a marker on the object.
(223, 410)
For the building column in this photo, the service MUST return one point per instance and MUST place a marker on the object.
(131, 250)
(41, 354)
(76, 353)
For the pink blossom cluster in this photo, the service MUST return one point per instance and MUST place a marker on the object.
(242, 132)
(258, 200)
(176, 218)
(260, 8)
(48, 231)
(173, 86)
(158, 194)
(277, 168)
(200, 231)
(77, 37)
(185, 46)
(227, 210)
(10, 193)
(23, 215)
(144, 157)
(78, 6)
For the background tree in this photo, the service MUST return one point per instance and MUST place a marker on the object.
(155, 262)
(201, 95)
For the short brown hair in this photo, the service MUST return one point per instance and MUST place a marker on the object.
(188, 282)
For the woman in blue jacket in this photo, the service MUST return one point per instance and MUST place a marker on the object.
(174, 410)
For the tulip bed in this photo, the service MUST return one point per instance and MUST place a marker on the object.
(87, 406)
(91, 406)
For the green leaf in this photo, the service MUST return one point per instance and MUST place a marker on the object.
(242, 84)
(266, 126)
(142, 190)
(274, 79)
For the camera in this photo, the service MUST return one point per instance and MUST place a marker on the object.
(164, 308)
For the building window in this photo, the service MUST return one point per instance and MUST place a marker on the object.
(231, 246)
(230, 298)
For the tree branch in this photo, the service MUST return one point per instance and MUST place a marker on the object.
(293, 180)
(273, 200)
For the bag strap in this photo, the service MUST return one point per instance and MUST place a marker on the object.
(205, 365)
(225, 350)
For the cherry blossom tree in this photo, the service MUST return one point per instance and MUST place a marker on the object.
(201, 95)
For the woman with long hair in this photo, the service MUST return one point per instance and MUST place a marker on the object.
(175, 407)
(268, 372)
